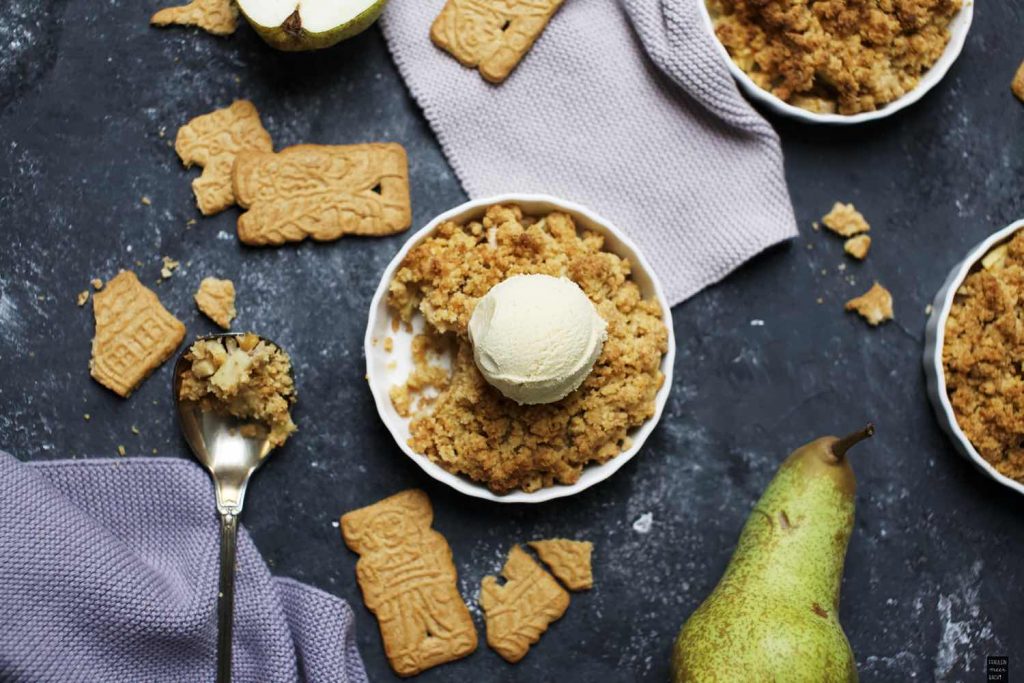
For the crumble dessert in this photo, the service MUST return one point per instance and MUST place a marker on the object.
(874, 305)
(469, 427)
(245, 377)
(827, 56)
(981, 355)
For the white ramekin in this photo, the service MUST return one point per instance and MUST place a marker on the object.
(958, 29)
(935, 375)
(384, 369)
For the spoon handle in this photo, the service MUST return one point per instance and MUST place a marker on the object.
(226, 597)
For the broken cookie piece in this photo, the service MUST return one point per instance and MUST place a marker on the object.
(568, 560)
(409, 582)
(875, 305)
(216, 299)
(212, 141)
(245, 377)
(519, 612)
(219, 17)
(857, 247)
(845, 220)
(134, 334)
(321, 192)
(491, 36)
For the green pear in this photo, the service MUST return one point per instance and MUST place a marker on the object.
(295, 25)
(774, 615)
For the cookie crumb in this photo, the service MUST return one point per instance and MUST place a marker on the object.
(928, 309)
(242, 376)
(135, 430)
(219, 17)
(1018, 83)
(83, 297)
(146, 201)
(389, 344)
(170, 265)
(857, 247)
(875, 305)
(120, 450)
(845, 220)
(87, 417)
(216, 299)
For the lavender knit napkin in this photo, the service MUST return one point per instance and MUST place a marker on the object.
(625, 107)
(108, 572)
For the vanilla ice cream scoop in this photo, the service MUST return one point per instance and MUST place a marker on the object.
(536, 337)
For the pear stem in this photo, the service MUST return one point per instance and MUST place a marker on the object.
(844, 444)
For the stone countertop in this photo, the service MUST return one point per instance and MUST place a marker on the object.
(90, 100)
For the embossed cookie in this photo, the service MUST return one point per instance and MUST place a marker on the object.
(519, 612)
(322, 192)
(409, 582)
(134, 334)
(491, 35)
(219, 17)
(212, 141)
(568, 560)
(216, 299)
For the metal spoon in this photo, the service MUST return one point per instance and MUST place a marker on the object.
(231, 449)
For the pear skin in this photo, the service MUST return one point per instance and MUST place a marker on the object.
(292, 36)
(774, 615)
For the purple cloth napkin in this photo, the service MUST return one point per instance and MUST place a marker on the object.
(108, 572)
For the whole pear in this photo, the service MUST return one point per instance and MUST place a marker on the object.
(774, 615)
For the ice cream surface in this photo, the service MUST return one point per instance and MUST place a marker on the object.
(536, 337)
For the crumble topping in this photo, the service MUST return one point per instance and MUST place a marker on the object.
(244, 377)
(469, 427)
(984, 345)
(827, 56)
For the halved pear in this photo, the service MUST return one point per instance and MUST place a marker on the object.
(295, 25)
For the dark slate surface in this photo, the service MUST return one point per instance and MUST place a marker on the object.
(90, 99)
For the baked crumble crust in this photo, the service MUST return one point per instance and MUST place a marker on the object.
(827, 56)
(469, 428)
(244, 377)
(982, 352)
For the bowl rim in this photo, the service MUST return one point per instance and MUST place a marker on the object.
(961, 21)
(464, 484)
(940, 314)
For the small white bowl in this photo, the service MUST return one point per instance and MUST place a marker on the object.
(384, 370)
(935, 375)
(958, 28)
